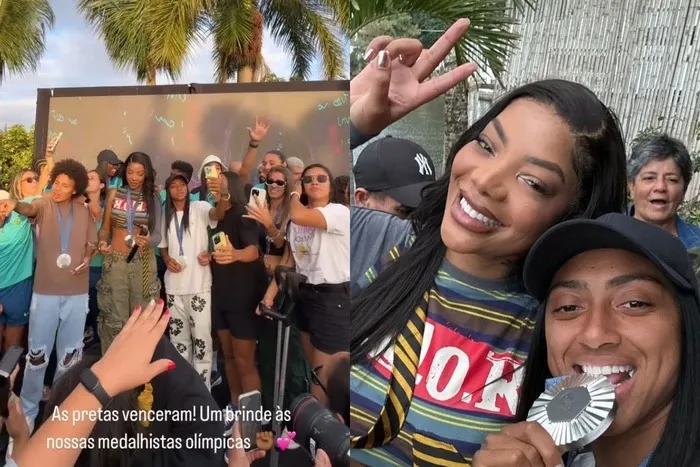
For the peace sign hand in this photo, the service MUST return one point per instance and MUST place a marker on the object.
(393, 83)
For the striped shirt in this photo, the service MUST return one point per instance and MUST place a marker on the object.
(118, 215)
(477, 333)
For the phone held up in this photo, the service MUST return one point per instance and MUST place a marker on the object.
(7, 366)
(211, 171)
(257, 194)
(250, 406)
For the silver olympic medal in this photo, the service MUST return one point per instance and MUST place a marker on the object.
(64, 261)
(576, 410)
(182, 260)
(129, 240)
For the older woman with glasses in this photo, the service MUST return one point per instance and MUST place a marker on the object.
(659, 172)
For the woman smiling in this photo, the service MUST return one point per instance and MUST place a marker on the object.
(619, 300)
(443, 320)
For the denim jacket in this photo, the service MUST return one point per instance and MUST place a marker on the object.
(689, 234)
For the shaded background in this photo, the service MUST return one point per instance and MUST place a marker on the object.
(308, 120)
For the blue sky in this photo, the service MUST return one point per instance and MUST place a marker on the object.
(75, 57)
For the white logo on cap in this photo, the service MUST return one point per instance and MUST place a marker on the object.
(423, 164)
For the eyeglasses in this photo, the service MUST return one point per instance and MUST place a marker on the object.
(310, 178)
(315, 379)
(276, 182)
(31, 179)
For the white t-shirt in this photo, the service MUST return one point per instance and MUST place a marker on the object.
(323, 255)
(194, 278)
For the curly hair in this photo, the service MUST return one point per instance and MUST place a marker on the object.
(73, 170)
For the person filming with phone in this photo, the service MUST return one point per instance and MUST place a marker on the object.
(318, 244)
(59, 304)
(239, 281)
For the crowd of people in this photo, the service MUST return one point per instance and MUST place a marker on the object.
(81, 249)
(525, 261)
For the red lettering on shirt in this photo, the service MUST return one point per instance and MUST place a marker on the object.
(462, 374)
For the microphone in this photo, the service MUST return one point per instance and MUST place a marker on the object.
(135, 248)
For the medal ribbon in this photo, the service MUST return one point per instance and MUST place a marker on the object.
(130, 214)
(426, 450)
(64, 229)
(179, 231)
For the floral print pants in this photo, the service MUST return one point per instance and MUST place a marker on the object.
(190, 330)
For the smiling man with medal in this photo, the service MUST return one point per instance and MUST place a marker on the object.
(187, 281)
(60, 297)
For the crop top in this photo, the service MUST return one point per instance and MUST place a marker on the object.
(118, 216)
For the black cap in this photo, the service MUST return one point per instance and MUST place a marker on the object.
(395, 166)
(615, 231)
(174, 177)
(107, 155)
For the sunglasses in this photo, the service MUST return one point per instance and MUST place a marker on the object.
(31, 179)
(276, 182)
(310, 178)
(315, 380)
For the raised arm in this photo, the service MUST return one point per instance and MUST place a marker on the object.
(25, 209)
(257, 134)
(300, 215)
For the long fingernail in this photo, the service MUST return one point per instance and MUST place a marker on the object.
(383, 59)
(368, 54)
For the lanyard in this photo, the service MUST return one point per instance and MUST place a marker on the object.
(130, 213)
(179, 232)
(64, 229)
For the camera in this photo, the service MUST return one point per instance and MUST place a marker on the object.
(317, 427)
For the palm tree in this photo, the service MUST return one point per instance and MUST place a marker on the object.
(23, 26)
(148, 36)
(303, 28)
(488, 42)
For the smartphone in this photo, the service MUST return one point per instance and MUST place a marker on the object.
(250, 409)
(211, 171)
(219, 240)
(7, 366)
(55, 141)
(257, 193)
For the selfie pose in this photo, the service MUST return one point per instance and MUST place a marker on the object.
(60, 300)
(188, 283)
(129, 234)
(619, 299)
(318, 245)
(443, 320)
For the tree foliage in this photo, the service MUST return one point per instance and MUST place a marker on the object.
(23, 26)
(16, 152)
(490, 38)
(394, 26)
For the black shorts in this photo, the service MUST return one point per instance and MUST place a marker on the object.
(324, 313)
(234, 310)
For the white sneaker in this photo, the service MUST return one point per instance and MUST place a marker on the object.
(292, 444)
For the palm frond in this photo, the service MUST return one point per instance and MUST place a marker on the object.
(236, 27)
(304, 28)
(148, 35)
(23, 27)
(490, 38)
